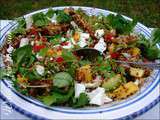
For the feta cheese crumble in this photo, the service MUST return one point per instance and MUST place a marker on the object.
(82, 43)
(98, 97)
(79, 88)
(23, 42)
(40, 69)
(101, 45)
(83, 39)
(74, 25)
(99, 33)
(84, 35)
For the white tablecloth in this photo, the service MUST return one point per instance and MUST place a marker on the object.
(8, 113)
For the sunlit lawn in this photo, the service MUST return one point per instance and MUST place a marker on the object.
(146, 11)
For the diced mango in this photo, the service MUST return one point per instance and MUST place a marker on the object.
(135, 51)
(84, 73)
(136, 72)
(124, 91)
(50, 52)
(76, 36)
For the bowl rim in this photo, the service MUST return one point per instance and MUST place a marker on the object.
(135, 114)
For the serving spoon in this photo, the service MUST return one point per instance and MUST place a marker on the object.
(91, 54)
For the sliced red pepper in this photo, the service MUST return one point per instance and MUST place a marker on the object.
(34, 32)
(37, 48)
(115, 55)
(109, 37)
(45, 32)
(44, 39)
(59, 59)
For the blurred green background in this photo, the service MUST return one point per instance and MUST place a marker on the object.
(146, 11)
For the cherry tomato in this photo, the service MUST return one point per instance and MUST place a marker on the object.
(37, 48)
(34, 31)
(59, 59)
(115, 55)
(109, 36)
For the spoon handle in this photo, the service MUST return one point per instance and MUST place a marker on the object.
(141, 64)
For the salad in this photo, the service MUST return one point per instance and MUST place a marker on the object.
(39, 58)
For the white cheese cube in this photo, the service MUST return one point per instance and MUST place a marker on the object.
(23, 42)
(40, 69)
(84, 35)
(74, 25)
(79, 88)
(97, 96)
(99, 33)
(82, 43)
(136, 72)
(101, 45)
(83, 39)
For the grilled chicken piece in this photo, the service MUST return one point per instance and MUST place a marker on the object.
(82, 23)
(83, 74)
(54, 29)
(125, 39)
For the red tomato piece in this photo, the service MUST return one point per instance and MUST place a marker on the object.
(115, 55)
(109, 37)
(37, 48)
(59, 59)
(34, 32)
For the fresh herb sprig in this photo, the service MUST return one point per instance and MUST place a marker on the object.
(121, 25)
(148, 46)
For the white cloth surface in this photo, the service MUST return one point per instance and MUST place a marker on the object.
(7, 112)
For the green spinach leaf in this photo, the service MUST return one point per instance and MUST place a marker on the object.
(50, 13)
(57, 98)
(121, 25)
(62, 79)
(62, 17)
(81, 101)
(30, 74)
(21, 54)
(68, 56)
(40, 19)
(148, 46)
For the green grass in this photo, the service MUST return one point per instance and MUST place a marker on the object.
(145, 11)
